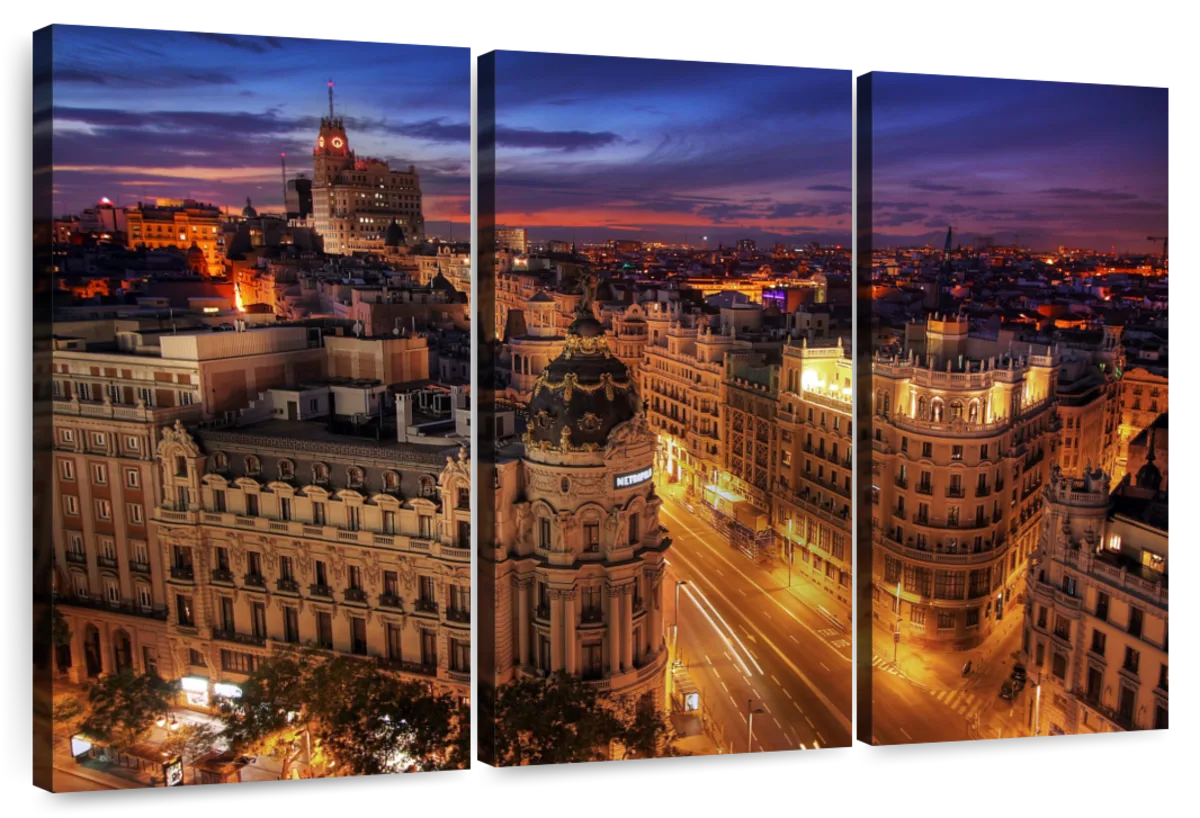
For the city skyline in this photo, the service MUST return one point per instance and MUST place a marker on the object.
(147, 114)
(591, 146)
(1051, 163)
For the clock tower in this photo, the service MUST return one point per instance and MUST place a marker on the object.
(332, 153)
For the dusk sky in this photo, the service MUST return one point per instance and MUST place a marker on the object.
(142, 114)
(1055, 163)
(594, 148)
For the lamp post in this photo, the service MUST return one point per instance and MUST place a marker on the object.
(1037, 707)
(791, 548)
(750, 724)
(678, 583)
(896, 635)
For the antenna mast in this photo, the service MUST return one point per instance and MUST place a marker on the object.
(331, 100)
(283, 172)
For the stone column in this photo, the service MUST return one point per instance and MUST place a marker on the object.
(523, 623)
(569, 632)
(627, 629)
(654, 601)
(106, 650)
(556, 629)
(614, 631)
(78, 672)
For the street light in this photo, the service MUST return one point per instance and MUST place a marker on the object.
(678, 583)
(896, 635)
(750, 725)
(791, 548)
(1037, 707)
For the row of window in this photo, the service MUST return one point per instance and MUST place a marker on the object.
(99, 474)
(103, 510)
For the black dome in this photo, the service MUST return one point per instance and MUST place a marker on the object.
(582, 395)
(394, 236)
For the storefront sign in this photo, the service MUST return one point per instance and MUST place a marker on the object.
(624, 481)
(227, 690)
(173, 772)
(194, 684)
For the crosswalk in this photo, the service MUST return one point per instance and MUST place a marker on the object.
(963, 702)
(834, 637)
(879, 663)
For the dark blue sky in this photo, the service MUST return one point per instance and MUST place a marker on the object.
(592, 148)
(140, 114)
(1055, 163)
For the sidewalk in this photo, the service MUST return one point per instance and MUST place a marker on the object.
(938, 670)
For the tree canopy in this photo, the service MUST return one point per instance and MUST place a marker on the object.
(360, 719)
(563, 719)
(121, 707)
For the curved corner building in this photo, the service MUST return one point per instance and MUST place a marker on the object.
(964, 435)
(579, 550)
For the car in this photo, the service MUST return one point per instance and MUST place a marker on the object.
(1006, 691)
(1018, 685)
(1018, 672)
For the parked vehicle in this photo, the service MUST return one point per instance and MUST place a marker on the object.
(1018, 672)
(1006, 691)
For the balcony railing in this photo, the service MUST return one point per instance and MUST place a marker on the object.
(136, 567)
(355, 595)
(418, 668)
(222, 575)
(426, 606)
(458, 614)
(77, 557)
(229, 635)
(319, 589)
(254, 580)
(184, 572)
(287, 585)
(106, 562)
(129, 608)
(390, 601)
(592, 615)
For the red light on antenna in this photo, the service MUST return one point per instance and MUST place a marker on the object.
(281, 153)
(331, 83)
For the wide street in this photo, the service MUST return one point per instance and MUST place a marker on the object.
(751, 642)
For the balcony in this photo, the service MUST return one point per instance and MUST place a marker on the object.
(127, 608)
(542, 611)
(391, 601)
(925, 488)
(458, 615)
(428, 606)
(106, 562)
(592, 616)
(287, 585)
(956, 492)
(318, 589)
(419, 668)
(230, 635)
(222, 575)
(136, 567)
(901, 482)
(355, 595)
(76, 557)
(183, 572)
(254, 581)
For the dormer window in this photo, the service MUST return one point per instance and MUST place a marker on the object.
(253, 465)
(391, 481)
(320, 474)
(428, 487)
(220, 461)
(287, 470)
(354, 477)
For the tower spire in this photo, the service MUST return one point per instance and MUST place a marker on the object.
(283, 173)
(331, 100)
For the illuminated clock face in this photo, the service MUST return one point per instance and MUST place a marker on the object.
(337, 142)
(320, 141)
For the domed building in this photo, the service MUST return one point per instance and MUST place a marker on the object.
(580, 554)
(197, 262)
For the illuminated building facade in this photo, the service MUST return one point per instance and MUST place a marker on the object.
(112, 397)
(280, 534)
(812, 491)
(1143, 398)
(580, 554)
(681, 381)
(356, 199)
(965, 434)
(515, 239)
(1095, 630)
(180, 224)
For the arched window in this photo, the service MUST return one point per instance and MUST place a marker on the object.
(320, 474)
(253, 465)
(956, 410)
(391, 481)
(220, 461)
(428, 487)
(566, 486)
(922, 408)
(287, 469)
(973, 412)
(937, 410)
(354, 477)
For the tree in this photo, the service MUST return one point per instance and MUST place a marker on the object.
(191, 741)
(270, 717)
(646, 731)
(558, 720)
(121, 707)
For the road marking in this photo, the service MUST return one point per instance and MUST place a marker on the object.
(794, 639)
(827, 670)
(798, 707)
(822, 738)
(820, 694)
(767, 614)
(743, 592)
(707, 659)
(725, 686)
(906, 735)
(786, 692)
(775, 679)
(789, 738)
(777, 724)
(810, 724)
(716, 672)
(740, 713)
(757, 695)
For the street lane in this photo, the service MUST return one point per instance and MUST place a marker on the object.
(809, 657)
(746, 637)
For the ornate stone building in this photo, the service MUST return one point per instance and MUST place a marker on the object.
(579, 549)
(1095, 631)
(964, 435)
(278, 535)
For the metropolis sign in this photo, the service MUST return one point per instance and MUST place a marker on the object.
(624, 481)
